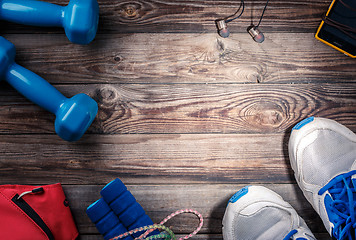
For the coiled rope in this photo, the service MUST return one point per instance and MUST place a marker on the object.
(167, 233)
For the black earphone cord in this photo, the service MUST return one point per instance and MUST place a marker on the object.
(242, 4)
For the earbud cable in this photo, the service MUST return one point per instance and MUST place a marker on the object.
(348, 6)
(263, 12)
(242, 4)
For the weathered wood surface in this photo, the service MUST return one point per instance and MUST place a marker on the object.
(195, 16)
(161, 200)
(142, 159)
(190, 108)
(184, 58)
(186, 118)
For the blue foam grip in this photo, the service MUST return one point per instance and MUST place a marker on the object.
(132, 214)
(79, 18)
(113, 190)
(122, 202)
(119, 229)
(98, 210)
(107, 223)
(143, 221)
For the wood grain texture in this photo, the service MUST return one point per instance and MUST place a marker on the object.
(210, 200)
(184, 58)
(190, 108)
(142, 159)
(186, 118)
(178, 16)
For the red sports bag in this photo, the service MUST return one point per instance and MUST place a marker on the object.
(35, 213)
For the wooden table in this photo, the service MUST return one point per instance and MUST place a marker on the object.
(186, 118)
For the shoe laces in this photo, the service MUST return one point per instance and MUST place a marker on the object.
(342, 205)
(291, 234)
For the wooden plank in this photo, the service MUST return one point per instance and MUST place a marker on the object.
(184, 58)
(210, 200)
(194, 16)
(141, 159)
(190, 108)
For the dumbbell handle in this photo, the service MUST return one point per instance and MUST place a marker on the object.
(35, 88)
(30, 12)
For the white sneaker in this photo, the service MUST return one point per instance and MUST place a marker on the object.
(257, 213)
(323, 156)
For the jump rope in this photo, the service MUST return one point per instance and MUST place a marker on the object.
(167, 233)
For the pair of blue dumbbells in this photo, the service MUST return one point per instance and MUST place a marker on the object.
(117, 212)
(80, 22)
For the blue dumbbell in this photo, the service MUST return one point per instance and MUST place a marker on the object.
(73, 115)
(107, 223)
(79, 18)
(125, 206)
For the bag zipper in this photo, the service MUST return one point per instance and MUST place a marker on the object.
(31, 213)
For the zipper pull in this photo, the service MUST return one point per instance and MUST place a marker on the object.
(35, 191)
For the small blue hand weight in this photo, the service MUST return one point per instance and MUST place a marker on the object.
(107, 223)
(73, 115)
(125, 206)
(79, 18)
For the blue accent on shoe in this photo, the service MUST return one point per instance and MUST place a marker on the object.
(303, 123)
(242, 192)
(290, 234)
(340, 203)
(301, 239)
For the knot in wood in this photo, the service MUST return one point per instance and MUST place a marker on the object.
(130, 10)
(107, 94)
(111, 106)
(118, 58)
(265, 114)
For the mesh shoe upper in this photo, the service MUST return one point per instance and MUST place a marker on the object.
(323, 157)
(256, 213)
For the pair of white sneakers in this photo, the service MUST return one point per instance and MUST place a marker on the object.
(322, 153)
